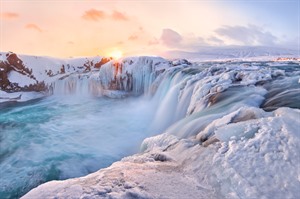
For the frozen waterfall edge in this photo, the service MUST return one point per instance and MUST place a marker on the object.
(217, 141)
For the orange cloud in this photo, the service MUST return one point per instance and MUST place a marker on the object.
(33, 27)
(133, 37)
(119, 16)
(9, 15)
(93, 15)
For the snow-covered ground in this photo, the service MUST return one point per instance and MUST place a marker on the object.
(226, 130)
(19, 96)
(24, 74)
(238, 53)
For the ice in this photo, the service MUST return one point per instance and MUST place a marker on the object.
(223, 130)
(268, 161)
(263, 166)
(19, 96)
(134, 74)
(282, 92)
(115, 79)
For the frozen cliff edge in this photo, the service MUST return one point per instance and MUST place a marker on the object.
(24, 77)
(115, 79)
(227, 132)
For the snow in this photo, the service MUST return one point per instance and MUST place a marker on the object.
(215, 141)
(263, 166)
(47, 69)
(115, 79)
(40, 65)
(132, 73)
(22, 80)
(235, 53)
(19, 96)
(216, 138)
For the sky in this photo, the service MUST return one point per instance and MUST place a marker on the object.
(72, 28)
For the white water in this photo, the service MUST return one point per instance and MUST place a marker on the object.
(64, 137)
(73, 133)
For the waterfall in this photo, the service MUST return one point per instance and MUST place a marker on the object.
(198, 92)
(131, 76)
(78, 84)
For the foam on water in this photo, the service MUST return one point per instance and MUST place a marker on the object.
(59, 138)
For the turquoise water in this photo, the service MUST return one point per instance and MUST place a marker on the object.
(71, 136)
(60, 138)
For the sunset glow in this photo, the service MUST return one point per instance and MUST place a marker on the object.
(86, 28)
(174, 99)
(116, 54)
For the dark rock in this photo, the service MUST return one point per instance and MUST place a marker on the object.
(160, 157)
(104, 60)
(14, 63)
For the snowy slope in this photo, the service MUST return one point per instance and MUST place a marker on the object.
(234, 53)
(22, 73)
(42, 69)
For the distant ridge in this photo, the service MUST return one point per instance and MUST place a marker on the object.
(233, 52)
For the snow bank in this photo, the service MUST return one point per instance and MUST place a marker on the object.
(19, 96)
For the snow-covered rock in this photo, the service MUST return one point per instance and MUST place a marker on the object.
(32, 73)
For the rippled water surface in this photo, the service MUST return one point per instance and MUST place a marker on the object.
(65, 137)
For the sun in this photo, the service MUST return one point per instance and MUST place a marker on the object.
(116, 54)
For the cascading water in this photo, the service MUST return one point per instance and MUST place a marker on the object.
(77, 131)
(77, 84)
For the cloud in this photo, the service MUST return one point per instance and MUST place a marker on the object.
(248, 35)
(133, 37)
(96, 15)
(9, 15)
(33, 27)
(93, 15)
(171, 38)
(119, 16)
(215, 40)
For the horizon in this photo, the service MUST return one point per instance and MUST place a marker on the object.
(184, 54)
(80, 28)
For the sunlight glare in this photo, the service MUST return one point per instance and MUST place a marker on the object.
(116, 54)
